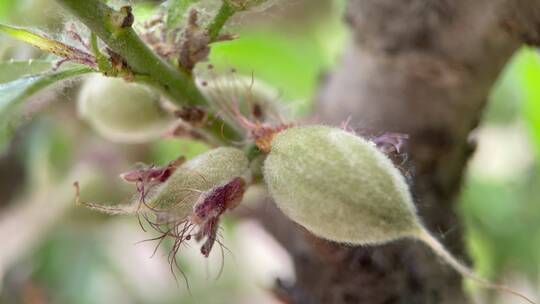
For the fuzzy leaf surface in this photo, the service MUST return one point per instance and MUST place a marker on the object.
(13, 93)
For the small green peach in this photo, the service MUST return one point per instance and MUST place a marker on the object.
(122, 112)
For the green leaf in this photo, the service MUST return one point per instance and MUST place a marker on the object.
(14, 92)
(176, 10)
(12, 70)
(47, 44)
(37, 40)
(527, 68)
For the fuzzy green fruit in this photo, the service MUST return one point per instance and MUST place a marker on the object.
(251, 97)
(177, 196)
(186, 199)
(339, 186)
(173, 200)
(122, 112)
(342, 188)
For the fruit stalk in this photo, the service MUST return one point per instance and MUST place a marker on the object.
(438, 248)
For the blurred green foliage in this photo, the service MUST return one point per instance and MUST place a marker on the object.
(11, 70)
(163, 151)
(527, 65)
(502, 213)
(6, 7)
(299, 57)
(296, 62)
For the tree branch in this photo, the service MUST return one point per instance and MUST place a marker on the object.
(123, 40)
(425, 68)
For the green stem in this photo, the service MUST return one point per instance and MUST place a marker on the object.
(142, 60)
(225, 12)
(102, 61)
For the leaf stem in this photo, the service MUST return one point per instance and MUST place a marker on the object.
(225, 12)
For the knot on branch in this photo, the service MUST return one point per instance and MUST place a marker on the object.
(123, 18)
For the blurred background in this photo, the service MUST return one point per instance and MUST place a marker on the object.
(52, 251)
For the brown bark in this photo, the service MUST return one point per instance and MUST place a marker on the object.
(424, 68)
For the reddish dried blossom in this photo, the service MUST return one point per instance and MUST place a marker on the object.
(219, 199)
(146, 178)
(150, 174)
(262, 133)
(202, 224)
(211, 205)
(209, 230)
(394, 145)
(390, 142)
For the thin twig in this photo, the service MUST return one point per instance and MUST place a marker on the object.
(225, 12)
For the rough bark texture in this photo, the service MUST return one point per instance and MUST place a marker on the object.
(424, 68)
